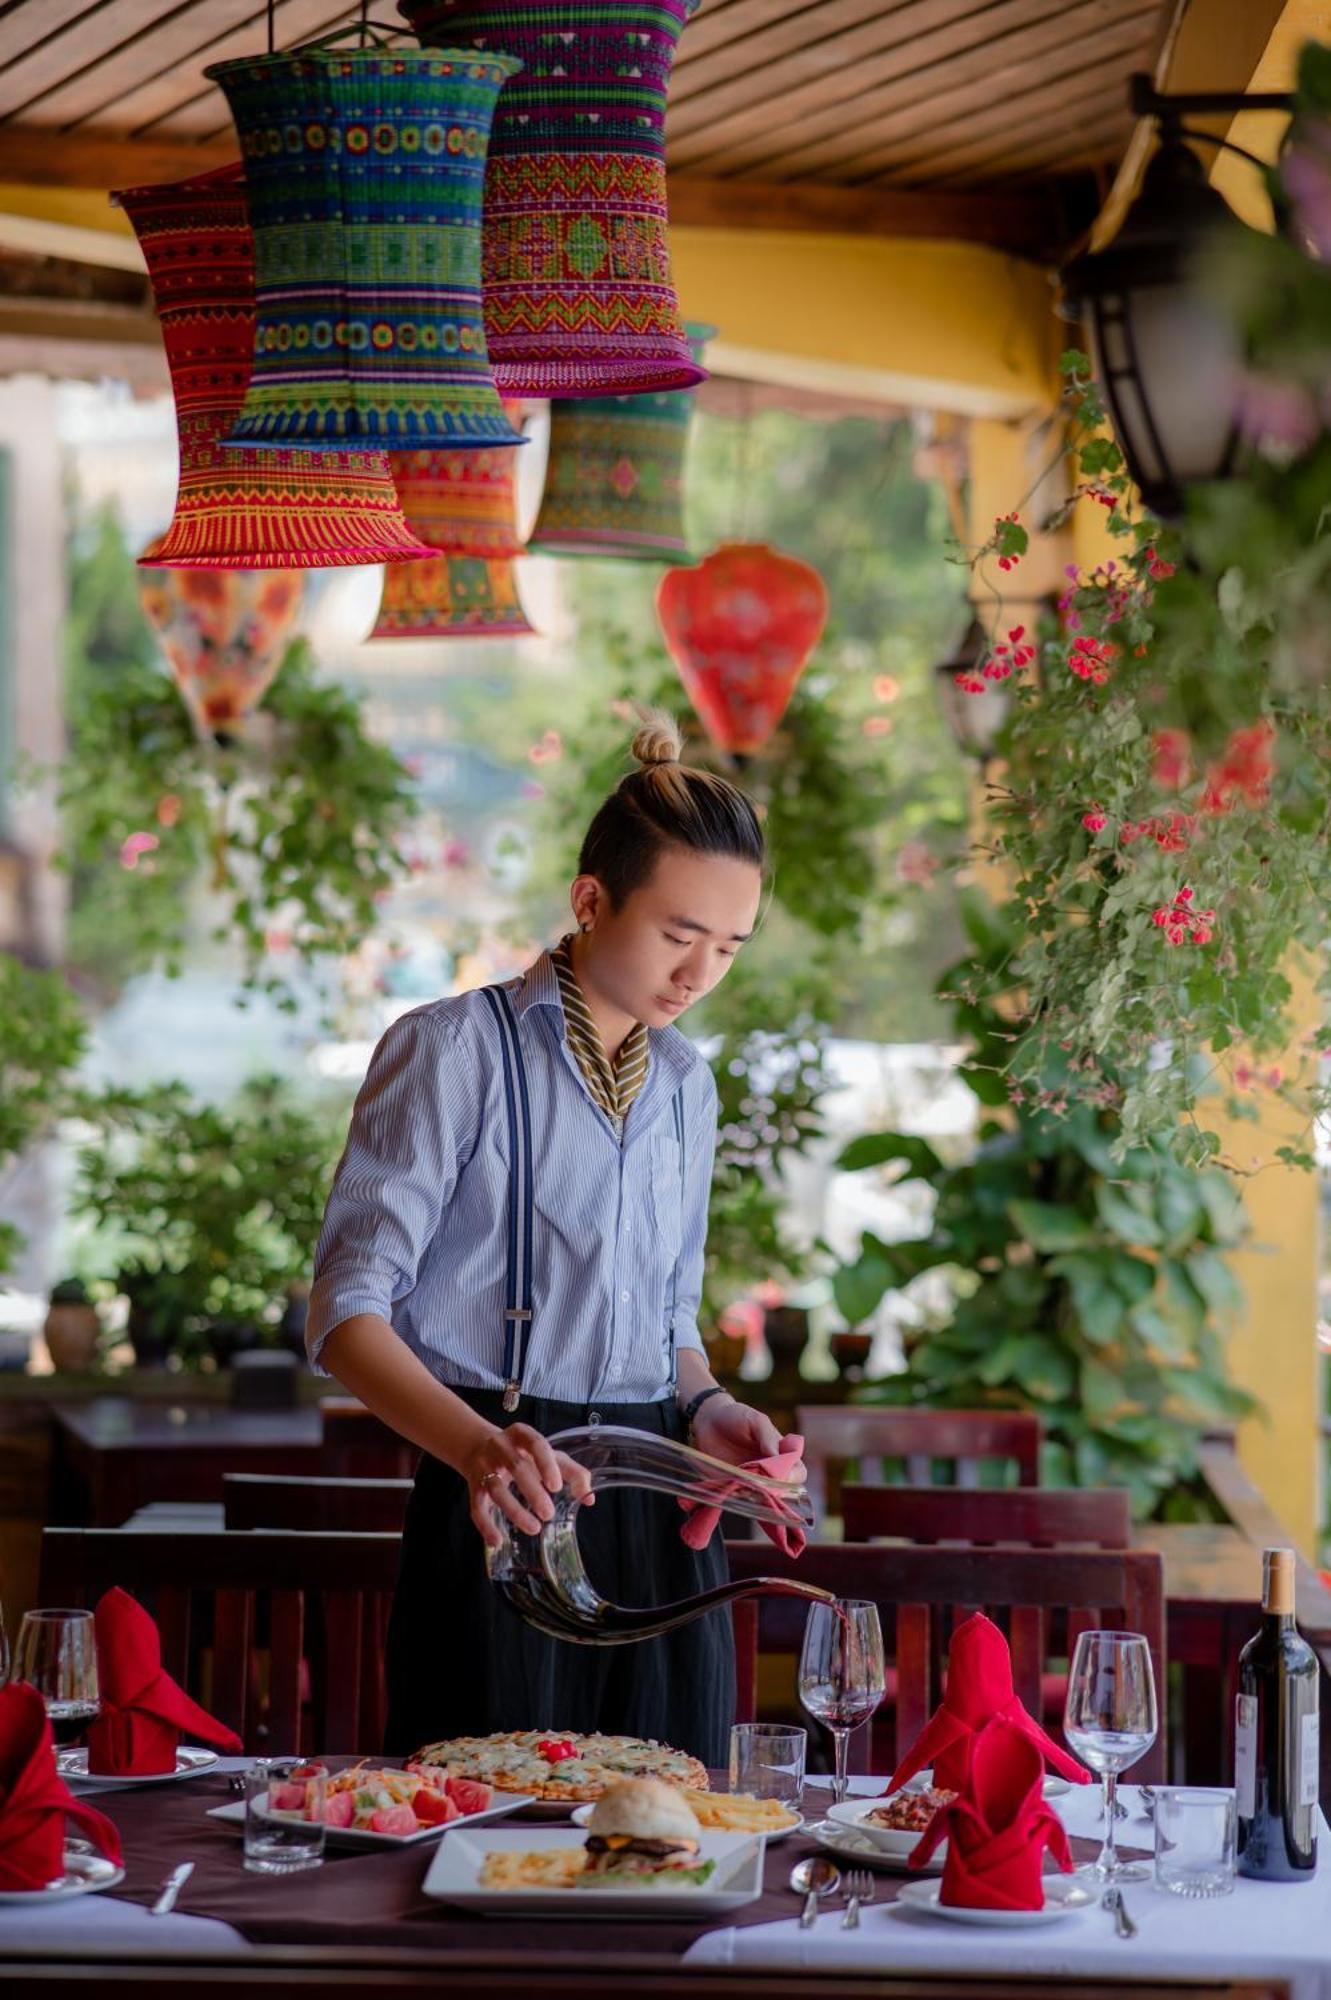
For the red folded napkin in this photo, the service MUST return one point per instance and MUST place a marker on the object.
(144, 1712)
(787, 1464)
(979, 1689)
(997, 1833)
(35, 1801)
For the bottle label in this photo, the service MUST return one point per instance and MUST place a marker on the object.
(1309, 1747)
(1245, 1755)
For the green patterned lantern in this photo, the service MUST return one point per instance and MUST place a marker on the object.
(364, 173)
(614, 485)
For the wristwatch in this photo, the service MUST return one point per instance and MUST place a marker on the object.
(692, 1407)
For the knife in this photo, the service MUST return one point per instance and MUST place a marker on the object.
(171, 1888)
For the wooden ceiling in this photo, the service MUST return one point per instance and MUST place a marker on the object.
(993, 120)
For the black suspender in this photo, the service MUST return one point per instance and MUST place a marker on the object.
(521, 1204)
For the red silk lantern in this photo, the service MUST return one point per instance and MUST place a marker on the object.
(740, 626)
(223, 633)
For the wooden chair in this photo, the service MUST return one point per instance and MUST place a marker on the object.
(1031, 1516)
(838, 1435)
(1041, 1597)
(359, 1445)
(328, 1506)
(261, 1605)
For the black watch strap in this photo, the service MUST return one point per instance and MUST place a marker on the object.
(695, 1403)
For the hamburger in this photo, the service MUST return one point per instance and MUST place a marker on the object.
(641, 1832)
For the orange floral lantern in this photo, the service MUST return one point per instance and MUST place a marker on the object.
(223, 633)
(741, 626)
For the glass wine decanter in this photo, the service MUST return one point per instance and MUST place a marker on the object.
(543, 1575)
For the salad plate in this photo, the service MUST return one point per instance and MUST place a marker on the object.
(365, 1840)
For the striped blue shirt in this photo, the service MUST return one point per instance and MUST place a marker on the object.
(416, 1227)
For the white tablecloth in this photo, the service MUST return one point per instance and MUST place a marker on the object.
(1264, 1930)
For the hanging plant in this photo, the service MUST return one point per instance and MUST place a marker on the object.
(296, 826)
(1166, 806)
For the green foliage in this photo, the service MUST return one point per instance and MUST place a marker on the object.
(295, 823)
(43, 1035)
(1090, 1284)
(1165, 809)
(203, 1210)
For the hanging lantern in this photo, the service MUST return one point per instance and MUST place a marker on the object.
(262, 509)
(451, 597)
(614, 484)
(223, 633)
(462, 503)
(740, 626)
(578, 294)
(364, 172)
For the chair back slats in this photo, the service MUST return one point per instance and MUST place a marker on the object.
(261, 1609)
(1038, 1595)
(837, 1435)
(286, 1631)
(1033, 1516)
(329, 1506)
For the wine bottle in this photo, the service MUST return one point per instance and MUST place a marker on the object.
(1276, 1737)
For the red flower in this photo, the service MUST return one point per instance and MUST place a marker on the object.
(1172, 761)
(1094, 821)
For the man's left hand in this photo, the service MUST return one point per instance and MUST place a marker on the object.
(726, 1429)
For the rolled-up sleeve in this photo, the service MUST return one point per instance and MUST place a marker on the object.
(397, 1171)
(700, 1136)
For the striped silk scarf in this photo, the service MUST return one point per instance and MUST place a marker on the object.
(613, 1085)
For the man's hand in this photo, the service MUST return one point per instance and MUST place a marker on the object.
(516, 1471)
(732, 1431)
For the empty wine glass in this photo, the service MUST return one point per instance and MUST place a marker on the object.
(1110, 1721)
(842, 1673)
(56, 1652)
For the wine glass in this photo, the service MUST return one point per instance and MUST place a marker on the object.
(1110, 1721)
(56, 1652)
(843, 1677)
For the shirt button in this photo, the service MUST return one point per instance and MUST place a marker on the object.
(623, 1298)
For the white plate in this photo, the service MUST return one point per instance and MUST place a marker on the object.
(849, 1844)
(84, 1874)
(454, 1877)
(1061, 1899)
(896, 1842)
(581, 1816)
(189, 1764)
(1053, 1788)
(233, 1812)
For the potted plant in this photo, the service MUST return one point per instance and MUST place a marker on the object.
(43, 1035)
(72, 1329)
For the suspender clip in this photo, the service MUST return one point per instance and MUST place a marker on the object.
(511, 1395)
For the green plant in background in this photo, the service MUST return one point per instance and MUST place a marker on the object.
(43, 1036)
(204, 1212)
(1166, 809)
(296, 826)
(1090, 1288)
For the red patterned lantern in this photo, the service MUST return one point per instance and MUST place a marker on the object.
(740, 626)
(224, 633)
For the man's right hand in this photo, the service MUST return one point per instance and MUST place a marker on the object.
(515, 1471)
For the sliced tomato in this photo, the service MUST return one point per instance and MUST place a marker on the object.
(393, 1819)
(339, 1809)
(469, 1795)
(433, 1808)
(287, 1798)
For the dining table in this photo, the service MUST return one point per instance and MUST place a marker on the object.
(363, 1923)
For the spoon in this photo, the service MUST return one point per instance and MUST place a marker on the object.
(815, 1877)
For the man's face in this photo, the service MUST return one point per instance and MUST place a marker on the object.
(674, 938)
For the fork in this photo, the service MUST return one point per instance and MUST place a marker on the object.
(859, 1890)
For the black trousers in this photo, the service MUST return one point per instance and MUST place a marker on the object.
(462, 1662)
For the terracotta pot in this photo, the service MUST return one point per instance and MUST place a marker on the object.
(850, 1350)
(72, 1332)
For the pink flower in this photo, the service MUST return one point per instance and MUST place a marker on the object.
(1094, 821)
(915, 864)
(135, 846)
(877, 725)
(885, 688)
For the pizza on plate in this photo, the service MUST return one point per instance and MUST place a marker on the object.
(560, 1764)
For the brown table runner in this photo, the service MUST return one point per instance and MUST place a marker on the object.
(375, 1900)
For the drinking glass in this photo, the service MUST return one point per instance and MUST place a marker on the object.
(4, 1649)
(1194, 1840)
(56, 1652)
(768, 1760)
(843, 1676)
(1110, 1721)
(284, 1815)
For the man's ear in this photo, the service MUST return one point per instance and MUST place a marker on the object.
(588, 900)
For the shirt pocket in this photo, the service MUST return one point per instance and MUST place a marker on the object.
(666, 1192)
